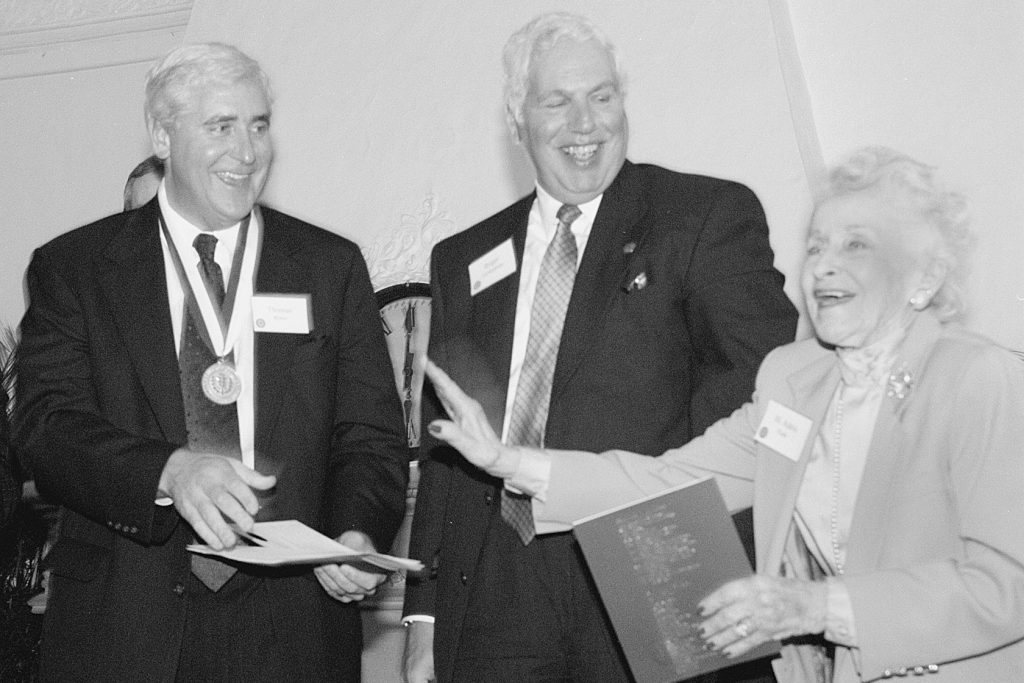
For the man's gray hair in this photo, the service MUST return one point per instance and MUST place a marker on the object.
(540, 35)
(171, 81)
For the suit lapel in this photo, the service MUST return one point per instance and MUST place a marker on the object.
(887, 453)
(811, 389)
(601, 272)
(135, 285)
(277, 270)
(493, 312)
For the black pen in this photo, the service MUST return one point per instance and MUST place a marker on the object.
(251, 536)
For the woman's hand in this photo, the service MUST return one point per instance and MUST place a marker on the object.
(745, 613)
(468, 430)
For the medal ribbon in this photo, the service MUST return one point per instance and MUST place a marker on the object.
(222, 336)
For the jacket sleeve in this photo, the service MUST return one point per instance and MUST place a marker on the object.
(435, 476)
(583, 484)
(946, 608)
(77, 456)
(370, 455)
(736, 309)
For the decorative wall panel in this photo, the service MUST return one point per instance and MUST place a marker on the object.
(70, 35)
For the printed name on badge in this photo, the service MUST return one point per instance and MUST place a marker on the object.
(493, 266)
(784, 430)
(282, 313)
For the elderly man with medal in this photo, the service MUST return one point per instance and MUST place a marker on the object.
(188, 368)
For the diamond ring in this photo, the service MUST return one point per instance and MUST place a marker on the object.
(742, 628)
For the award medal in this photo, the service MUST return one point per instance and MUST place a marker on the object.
(220, 382)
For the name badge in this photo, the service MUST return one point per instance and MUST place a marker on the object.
(784, 430)
(493, 266)
(282, 313)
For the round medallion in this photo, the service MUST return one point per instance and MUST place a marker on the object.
(221, 384)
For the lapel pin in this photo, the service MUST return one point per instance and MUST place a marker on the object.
(629, 247)
(900, 383)
(639, 282)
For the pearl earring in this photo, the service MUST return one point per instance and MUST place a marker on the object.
(920, 300)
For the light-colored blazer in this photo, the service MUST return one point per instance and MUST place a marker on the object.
(935, 562)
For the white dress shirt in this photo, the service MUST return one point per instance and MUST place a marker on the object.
(183, 233)
(540, 231)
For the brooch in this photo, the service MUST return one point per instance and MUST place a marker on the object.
(900, 383)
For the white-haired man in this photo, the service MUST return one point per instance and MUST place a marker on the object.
(619, 305)
(156, 412)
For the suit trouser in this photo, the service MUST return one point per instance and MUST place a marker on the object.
(230, 635)
(534, 615)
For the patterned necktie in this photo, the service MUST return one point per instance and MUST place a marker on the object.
(212, 428)
(206, 245)
(533, 395)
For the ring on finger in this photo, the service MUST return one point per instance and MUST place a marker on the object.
(742, 628)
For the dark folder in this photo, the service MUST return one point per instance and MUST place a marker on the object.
(653, 561)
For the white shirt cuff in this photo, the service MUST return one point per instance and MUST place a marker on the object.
(532, 474)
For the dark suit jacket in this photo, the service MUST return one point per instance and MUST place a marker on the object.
(639, 368)
(100, 410)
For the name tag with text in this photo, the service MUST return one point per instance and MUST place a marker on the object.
(784, 430)
(282, 313)
(493, 266)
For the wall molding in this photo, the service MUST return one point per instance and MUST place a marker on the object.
(40, 38)
(402, 254)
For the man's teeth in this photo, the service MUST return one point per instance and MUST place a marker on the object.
(581, 152)
(232, 177)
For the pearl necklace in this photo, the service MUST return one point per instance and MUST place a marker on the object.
(834, 517)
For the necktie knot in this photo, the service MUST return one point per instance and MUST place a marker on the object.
(206, 245)
(567, 213)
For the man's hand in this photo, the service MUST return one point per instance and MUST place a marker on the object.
(418, 663)
(468, 431)
(207, 488)
(344, 582)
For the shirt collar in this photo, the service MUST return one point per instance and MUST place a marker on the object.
(549, 207)
(184, 232)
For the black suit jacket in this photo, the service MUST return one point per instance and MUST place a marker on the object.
(638, 368)
(99, 411)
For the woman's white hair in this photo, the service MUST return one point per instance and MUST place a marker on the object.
(946, 211)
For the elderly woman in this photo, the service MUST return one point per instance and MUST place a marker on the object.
(883, 458)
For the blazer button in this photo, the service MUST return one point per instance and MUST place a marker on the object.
(919, 671)
(887, 673)
(488, 498)
(179, 589)
(463, 578)
(933, 668)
